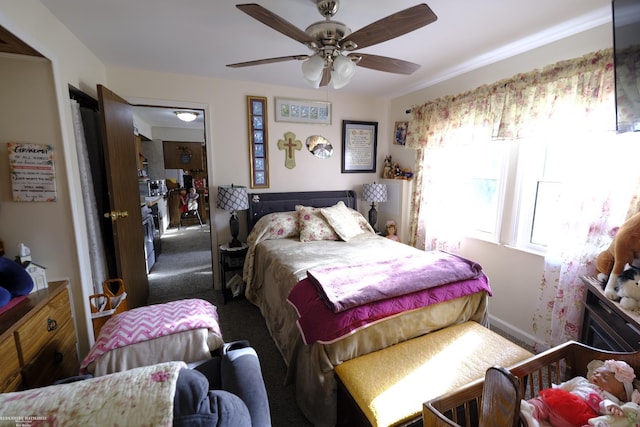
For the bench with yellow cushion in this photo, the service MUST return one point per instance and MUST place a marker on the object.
(389, 386)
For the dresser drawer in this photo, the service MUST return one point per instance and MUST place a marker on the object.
(10, 374)
(58, 359)
(52, 319)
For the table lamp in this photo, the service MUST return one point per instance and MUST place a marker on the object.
(233, 198)
(374, 193)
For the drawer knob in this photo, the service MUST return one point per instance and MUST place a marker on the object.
(52, 325)
(57, 357)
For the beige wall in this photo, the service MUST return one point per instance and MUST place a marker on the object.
(41, 114)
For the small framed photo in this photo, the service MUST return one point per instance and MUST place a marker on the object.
(400, 133)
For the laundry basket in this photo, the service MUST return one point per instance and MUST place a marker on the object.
(103, 306)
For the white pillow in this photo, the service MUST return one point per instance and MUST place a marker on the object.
(343, 221)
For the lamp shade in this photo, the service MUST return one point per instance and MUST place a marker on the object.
(374, 192)
(232, 198)
(343, 69)
(312, 69)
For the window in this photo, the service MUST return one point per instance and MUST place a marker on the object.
(514, 189)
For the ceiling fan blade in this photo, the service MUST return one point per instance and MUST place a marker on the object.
(383, 63)
(392, 26)
(279, 24)
(269, 61)
(326, 76)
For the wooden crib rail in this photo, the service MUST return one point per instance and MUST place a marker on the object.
(461, 408)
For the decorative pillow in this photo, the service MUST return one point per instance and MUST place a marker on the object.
(313, 226)
(345, 224)
(362, 221)
(277, 225)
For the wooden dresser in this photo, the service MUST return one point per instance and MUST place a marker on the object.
(38, 340)
(605, 324)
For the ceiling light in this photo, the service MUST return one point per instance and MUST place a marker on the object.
(187, 116)
(312, 70)
(342, 69)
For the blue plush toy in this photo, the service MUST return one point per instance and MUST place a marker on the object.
(14, 281)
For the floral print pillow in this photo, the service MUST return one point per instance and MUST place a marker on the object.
(313, 225)
(278, 225)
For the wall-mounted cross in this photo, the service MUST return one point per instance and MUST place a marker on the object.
(289, 144)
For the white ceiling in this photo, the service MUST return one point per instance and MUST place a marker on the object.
(200, 37)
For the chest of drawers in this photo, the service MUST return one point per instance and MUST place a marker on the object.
(38, 340)
(605, 324)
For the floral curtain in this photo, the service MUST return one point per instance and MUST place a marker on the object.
(573, 99)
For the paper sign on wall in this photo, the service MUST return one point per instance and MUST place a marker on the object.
(32, 172)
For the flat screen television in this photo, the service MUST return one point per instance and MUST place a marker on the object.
(626, 44)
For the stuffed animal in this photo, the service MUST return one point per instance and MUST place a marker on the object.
(14, 281)
(624, 249)
(631, 415)
(629, 289)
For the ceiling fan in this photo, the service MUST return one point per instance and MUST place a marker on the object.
(333, 43)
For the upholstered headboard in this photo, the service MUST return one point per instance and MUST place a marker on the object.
(261, 204)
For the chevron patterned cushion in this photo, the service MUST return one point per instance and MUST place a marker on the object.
(152, 322)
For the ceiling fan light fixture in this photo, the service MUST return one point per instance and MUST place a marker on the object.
(187, 116)
(312, 70)
(342, 72)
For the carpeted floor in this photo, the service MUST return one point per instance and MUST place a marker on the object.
(184, 269)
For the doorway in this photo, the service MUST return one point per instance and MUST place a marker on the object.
(172, 156)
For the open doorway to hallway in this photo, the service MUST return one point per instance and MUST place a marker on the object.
(173, 160)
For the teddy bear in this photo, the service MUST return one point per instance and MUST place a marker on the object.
(623, 250)
(14, 281)
(631, 415)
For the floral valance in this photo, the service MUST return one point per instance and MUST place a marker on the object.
(576, 92)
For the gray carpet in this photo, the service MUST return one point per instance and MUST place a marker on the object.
(184, 269)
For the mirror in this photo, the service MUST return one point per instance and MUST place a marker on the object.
(319, 146)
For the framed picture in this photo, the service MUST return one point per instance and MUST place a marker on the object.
(258, 144)
(359, 144)
(400, 133)
(303, 111)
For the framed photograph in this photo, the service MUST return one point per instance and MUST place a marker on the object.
(400, 133)
(359, 144)
(303, 111)
(259, 153)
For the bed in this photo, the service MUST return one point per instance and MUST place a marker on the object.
(460, 408)
(282, 251)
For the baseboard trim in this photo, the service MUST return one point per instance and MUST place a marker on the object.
(517, 333)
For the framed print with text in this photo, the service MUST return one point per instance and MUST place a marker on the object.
(258, 141)
(359, 144)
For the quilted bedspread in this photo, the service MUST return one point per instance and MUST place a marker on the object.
(151, 322)
(317, 323)
(141, 396)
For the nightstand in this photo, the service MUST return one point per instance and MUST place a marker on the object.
(605, 324)
(231, 262)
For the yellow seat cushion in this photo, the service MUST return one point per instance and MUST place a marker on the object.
(390, 385)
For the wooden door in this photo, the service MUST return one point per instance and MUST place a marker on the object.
(124, 198)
